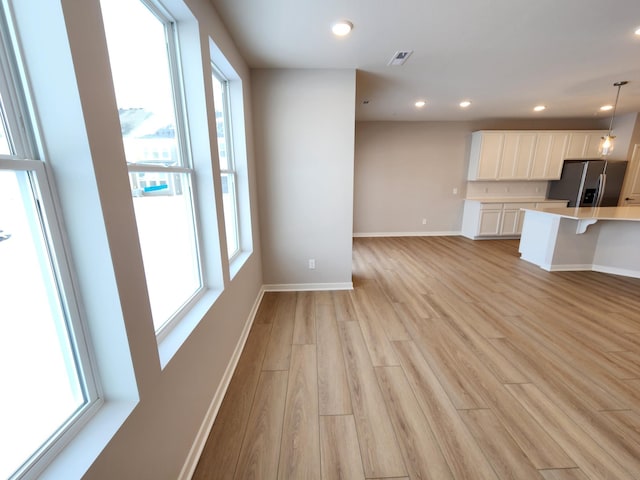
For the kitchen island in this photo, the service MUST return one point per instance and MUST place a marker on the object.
(605, 239)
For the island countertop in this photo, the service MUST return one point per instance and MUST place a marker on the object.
(603, 239)
(598, 213)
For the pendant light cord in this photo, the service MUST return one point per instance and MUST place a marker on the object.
(615, 105)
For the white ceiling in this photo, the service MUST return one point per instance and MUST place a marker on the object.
(505, 55)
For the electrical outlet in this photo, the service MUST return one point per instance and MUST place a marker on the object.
(424, 221)
(312, 264)
(486, 189)
(455, 191)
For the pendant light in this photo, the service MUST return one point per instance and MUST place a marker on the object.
(607, 142)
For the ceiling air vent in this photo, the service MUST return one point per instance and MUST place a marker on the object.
(399, 58)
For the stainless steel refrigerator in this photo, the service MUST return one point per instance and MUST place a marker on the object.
(589, 183)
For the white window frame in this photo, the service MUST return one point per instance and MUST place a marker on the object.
(231, 161)
(183, 146)
(28, 157)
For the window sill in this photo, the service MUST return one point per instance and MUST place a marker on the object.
(237, 262)
(76, 458)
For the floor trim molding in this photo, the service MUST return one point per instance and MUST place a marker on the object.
(306, 287)
(199, 442)
(406, 234)
(616, 271)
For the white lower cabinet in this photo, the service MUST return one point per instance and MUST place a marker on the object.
(481, 219)
(510, 222)
(491, 219)
(513, 218)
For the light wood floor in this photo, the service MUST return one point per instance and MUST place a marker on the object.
(450, 359)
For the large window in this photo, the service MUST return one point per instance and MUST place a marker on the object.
(227, 161)
(142, 44)
(47, 384)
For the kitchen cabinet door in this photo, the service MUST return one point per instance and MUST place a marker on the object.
(486, 155)
(509, 222)
(513, 218)
(494, 219)
(577, 145)
(592, 144)
(549, 155)
(584, 144)
(490, 222)
(517, 155)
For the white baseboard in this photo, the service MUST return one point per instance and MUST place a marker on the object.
(569, 268)
(592, 268)
(406, 234)
(305, 287)
(616, 271)
(203, 433)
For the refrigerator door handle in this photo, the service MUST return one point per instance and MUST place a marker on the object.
(602, 183)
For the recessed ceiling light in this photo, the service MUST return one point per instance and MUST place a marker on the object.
(420, 103)
(606, 108)
(465, 103)
(342, 28)
(539, 108)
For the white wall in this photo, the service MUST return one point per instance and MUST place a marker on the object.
(160, 404)
(304, 131)
(406, 172)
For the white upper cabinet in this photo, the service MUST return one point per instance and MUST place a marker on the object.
(517, 156)
(584, 144)
(486, 154)
(551, 150)
(528, 155)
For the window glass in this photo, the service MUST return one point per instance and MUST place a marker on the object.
(4, 142)
(146, 77)
(222, 125)
(39, 372)
(225, 155)
(229, 196)
(164, 215)
(142, 76)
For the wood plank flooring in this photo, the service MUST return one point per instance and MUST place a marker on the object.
(450, 359)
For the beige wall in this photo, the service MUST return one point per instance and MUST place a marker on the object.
(304, 131)
(406, 172)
